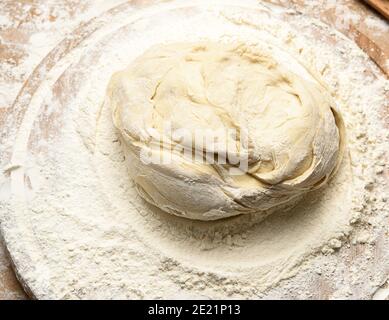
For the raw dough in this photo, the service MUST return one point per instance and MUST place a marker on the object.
(295, 134)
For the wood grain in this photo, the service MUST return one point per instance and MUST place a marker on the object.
(382, 6)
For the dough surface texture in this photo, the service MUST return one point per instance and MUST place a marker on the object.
(285, 127)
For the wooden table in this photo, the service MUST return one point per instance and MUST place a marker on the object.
(24, 18)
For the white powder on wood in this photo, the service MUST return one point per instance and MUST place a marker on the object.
(83, 231)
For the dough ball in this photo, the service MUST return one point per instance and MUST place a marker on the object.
(213, 130)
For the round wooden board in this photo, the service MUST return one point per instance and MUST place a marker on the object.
(14, 48)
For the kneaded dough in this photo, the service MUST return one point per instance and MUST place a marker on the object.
(294, 133)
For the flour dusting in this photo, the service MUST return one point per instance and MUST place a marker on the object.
(88, 234)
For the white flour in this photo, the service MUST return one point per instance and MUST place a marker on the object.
(85, 233)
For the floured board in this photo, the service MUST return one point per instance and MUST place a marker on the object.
(81, 34)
